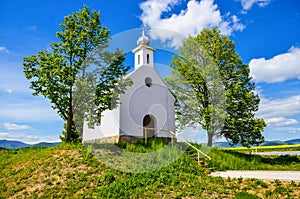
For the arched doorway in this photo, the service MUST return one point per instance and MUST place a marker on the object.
(149, 122)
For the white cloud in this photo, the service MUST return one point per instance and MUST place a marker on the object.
(280, 121)
(9, 91)
(197, 15)
(276, 112)
(247, 4)
(279, 107)
(27, 138)
(3, 49)
(16, 127)
(294, 130)
(277, 69)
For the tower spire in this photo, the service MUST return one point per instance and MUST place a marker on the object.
(143, 53)
(143, 40)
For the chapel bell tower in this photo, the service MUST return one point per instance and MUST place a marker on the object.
(143, 53)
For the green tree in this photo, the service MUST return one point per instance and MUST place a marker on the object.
(53, 73)
(231, 115)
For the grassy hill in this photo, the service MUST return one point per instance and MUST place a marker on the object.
(70, 171)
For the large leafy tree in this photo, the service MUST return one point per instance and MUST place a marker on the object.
(54, 73)
(218, 67)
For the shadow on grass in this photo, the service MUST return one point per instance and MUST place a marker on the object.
(282, 160)
(271, 160)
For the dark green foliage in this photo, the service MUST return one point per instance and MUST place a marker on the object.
(217, 50)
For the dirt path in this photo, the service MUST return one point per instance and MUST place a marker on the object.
(263, 175)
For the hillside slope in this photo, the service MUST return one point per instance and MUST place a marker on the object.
(71, 172)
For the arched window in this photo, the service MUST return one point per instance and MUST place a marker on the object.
(139, 59)
(148, 58)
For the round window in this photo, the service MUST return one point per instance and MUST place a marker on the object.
(148, 81)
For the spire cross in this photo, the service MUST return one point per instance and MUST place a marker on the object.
(143, 27)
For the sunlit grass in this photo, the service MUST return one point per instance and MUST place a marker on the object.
(237, 160)
(70, 171)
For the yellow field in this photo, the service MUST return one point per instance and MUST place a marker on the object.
(263, 147)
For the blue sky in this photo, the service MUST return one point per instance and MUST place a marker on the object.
(266, 34)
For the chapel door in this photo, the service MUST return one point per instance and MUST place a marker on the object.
(149, 122)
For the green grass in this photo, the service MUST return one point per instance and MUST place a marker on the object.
(234, 160)
(70, 171)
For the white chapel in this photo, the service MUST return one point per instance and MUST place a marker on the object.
(147, 103)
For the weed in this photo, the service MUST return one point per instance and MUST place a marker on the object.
(277, 182)
(280, 190)
(245, 195)
(240, 179)
(261, 183)
(268, 193)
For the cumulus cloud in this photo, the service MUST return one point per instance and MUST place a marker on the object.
(278, 112)
(190, 21)
(3, 49)
(16, 127)
(247, 4)
(280, 121)
(277, 69)
(279, 107)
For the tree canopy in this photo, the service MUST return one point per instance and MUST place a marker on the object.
(54, 73)
(214, 89)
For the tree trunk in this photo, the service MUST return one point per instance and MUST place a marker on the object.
(70, 117)
(210, 139)
(70, 107)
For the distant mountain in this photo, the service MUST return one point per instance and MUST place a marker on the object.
(46, 144)
(11, 144)
(294, 141)
(225, 145)
(266, 143)
(273, 143)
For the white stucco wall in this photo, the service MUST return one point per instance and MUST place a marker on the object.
(109, 127)
(140, 100)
